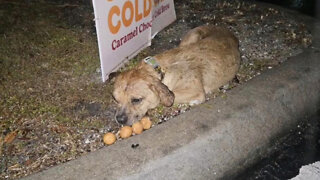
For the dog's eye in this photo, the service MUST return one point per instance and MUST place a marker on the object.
(136, 100)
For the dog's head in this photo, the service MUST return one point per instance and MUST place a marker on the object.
(136, 92)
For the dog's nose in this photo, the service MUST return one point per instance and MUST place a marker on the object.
(122, 118)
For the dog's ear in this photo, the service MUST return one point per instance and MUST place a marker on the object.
(112, 76)
(166, 96)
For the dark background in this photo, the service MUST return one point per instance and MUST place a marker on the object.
(309, 7)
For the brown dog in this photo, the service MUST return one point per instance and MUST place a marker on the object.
(207, 58)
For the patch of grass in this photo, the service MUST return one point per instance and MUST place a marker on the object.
(47, 67)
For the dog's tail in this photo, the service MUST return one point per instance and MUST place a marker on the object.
(205, 31)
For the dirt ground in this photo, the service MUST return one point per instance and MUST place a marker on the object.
(53, 104)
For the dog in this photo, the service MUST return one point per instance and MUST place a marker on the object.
(206, 58)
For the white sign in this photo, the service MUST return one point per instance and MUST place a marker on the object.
(125, 27)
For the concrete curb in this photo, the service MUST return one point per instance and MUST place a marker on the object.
(310, 171)
(214, 139)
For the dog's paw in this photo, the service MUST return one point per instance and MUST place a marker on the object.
(195, 102)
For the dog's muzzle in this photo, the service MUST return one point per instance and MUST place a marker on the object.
(122, 118)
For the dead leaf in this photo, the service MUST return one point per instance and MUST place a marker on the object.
(15, 167)
(10, 137)
(59, 129)
(10, 149)
(28, 162)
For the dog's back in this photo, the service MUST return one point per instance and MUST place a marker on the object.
(212, 51)
(202, 32)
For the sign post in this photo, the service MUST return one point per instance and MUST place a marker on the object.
(125, 27)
